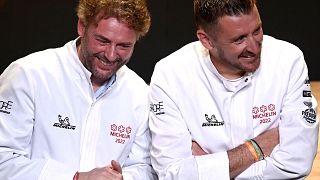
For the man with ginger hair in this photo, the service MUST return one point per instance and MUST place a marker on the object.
(78, 112)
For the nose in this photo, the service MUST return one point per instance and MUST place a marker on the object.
(254, 44)
(110, 53)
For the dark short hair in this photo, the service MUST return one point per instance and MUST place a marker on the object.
(208, 12)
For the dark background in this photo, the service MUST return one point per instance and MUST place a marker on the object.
(32, 25)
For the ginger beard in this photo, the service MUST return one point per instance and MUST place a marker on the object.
(101, 67)
(105, 47)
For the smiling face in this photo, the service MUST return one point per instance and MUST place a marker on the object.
(105, 47)
(235, 45)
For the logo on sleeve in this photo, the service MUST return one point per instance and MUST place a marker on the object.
(64, 123)
(310, 115)
(212, 121)
(121, 133)
(5, 106)
(157, 108)
(307, 81)
(308, 104)
(306, 93)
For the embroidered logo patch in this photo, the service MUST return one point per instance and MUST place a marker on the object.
(5, 106)
(121, 133)
(306, 93)
(308, 104)
(64, 123)
(309, 115)
(212, 121)
(157, 108)
(264, 113)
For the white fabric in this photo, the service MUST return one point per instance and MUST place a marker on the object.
(190, 101)
(51, 124)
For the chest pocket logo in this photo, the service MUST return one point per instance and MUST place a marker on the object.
(212, 121)
(121, 133)
(64, 123)
(5, 106)
(264, 113)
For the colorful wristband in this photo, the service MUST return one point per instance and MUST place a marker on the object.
(252, 150)
(258, 149)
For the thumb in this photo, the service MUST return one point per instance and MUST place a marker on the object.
(116, 166)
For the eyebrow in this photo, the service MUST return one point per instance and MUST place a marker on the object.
(108, 40)
(102, 37)
(259, 25)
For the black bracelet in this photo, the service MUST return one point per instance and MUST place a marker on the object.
(258, 147)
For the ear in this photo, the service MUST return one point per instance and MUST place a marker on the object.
(205, 39)
(81, 28)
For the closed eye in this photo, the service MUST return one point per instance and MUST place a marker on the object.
(240, 39)
(257, 31)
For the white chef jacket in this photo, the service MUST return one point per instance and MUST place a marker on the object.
(52, 125)
(190, 100)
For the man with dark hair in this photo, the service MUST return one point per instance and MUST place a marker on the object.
(235, 104)
(77, 111)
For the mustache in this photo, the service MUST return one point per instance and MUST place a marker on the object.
(105, 59)
(248, 54)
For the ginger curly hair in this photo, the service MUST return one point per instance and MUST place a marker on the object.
(133, 12)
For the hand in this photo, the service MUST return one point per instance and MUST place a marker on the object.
(111, 172)
(116, 166)
(197, 150)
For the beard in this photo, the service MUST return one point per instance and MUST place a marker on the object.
(101, 68)
(100, 74)
(239, 63)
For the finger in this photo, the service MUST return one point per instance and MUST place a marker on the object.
(116, 166)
